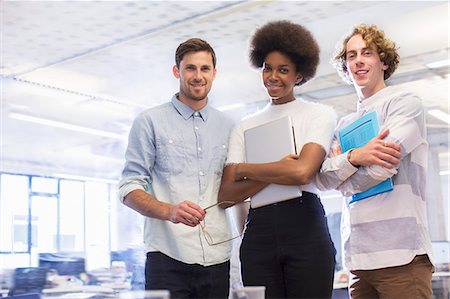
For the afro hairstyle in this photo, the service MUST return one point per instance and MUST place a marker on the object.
(291, 39)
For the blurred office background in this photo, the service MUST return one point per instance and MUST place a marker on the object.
(75, 74)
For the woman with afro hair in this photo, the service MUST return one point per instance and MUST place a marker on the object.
(286, 246)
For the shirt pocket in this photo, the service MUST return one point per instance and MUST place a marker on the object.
(171, 154)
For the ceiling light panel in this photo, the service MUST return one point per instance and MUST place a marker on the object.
(123, 51)
(122, 42)
(37, 33)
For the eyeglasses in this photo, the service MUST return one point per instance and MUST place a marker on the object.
(209, 239)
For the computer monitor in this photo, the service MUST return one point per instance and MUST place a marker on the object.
(28, 280)
(441, 252)
(63, 263)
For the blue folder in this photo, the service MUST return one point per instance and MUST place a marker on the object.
(356, 135)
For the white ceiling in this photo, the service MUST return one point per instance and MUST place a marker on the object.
(97, 64)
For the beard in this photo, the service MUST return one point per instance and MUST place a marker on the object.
(194, 94)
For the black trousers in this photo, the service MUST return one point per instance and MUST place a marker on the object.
(287, 248)
(186, 280)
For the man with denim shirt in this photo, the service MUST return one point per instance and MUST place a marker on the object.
(174, 162)
(385, 238)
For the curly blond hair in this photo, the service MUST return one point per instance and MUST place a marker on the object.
(375, 39)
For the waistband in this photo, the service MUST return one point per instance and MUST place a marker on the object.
(305, 196)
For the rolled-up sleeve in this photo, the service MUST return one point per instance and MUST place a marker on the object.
(403, 117)
(139, 157)
(334, 171)
(128, 184)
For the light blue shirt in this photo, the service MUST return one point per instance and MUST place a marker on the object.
(178, 154)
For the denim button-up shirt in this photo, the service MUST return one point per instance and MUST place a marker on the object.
(178, 154)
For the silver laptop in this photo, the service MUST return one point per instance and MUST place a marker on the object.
(269, 143)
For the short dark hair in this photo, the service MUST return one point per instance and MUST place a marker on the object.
(293, 40)
(193, 45)
(375, 39)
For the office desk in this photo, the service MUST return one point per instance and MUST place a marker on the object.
(78, 289)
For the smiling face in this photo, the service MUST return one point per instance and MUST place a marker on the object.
(279, 76)
(364, 67)
(196, 74)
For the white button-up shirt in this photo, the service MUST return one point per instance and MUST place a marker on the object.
(388, 229)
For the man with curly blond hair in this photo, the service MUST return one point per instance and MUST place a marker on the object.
(386, 245)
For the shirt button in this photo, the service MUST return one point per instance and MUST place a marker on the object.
(196, 127)
(170, 141)
(199, 149)
(200, 173)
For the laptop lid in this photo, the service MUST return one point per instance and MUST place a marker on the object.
(270, 142)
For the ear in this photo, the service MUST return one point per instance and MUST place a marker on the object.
(385, 67)
(176, 72)
(298, 79)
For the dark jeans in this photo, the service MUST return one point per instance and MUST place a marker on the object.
(288, 249)
(186, 280)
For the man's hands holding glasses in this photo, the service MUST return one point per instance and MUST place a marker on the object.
(192, 215)
(208, 237)
(187, 213)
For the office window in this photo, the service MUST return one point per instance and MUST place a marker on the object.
(41, 214)
(114, 214)
(44, 211)
(44, 185)
(15, 260)
(21, 230)
(14, 213)
(71, 216)
(97, 225)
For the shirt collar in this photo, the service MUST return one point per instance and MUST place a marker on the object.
(187, 112)
(367, 104)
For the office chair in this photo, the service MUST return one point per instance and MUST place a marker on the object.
(28, 281)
